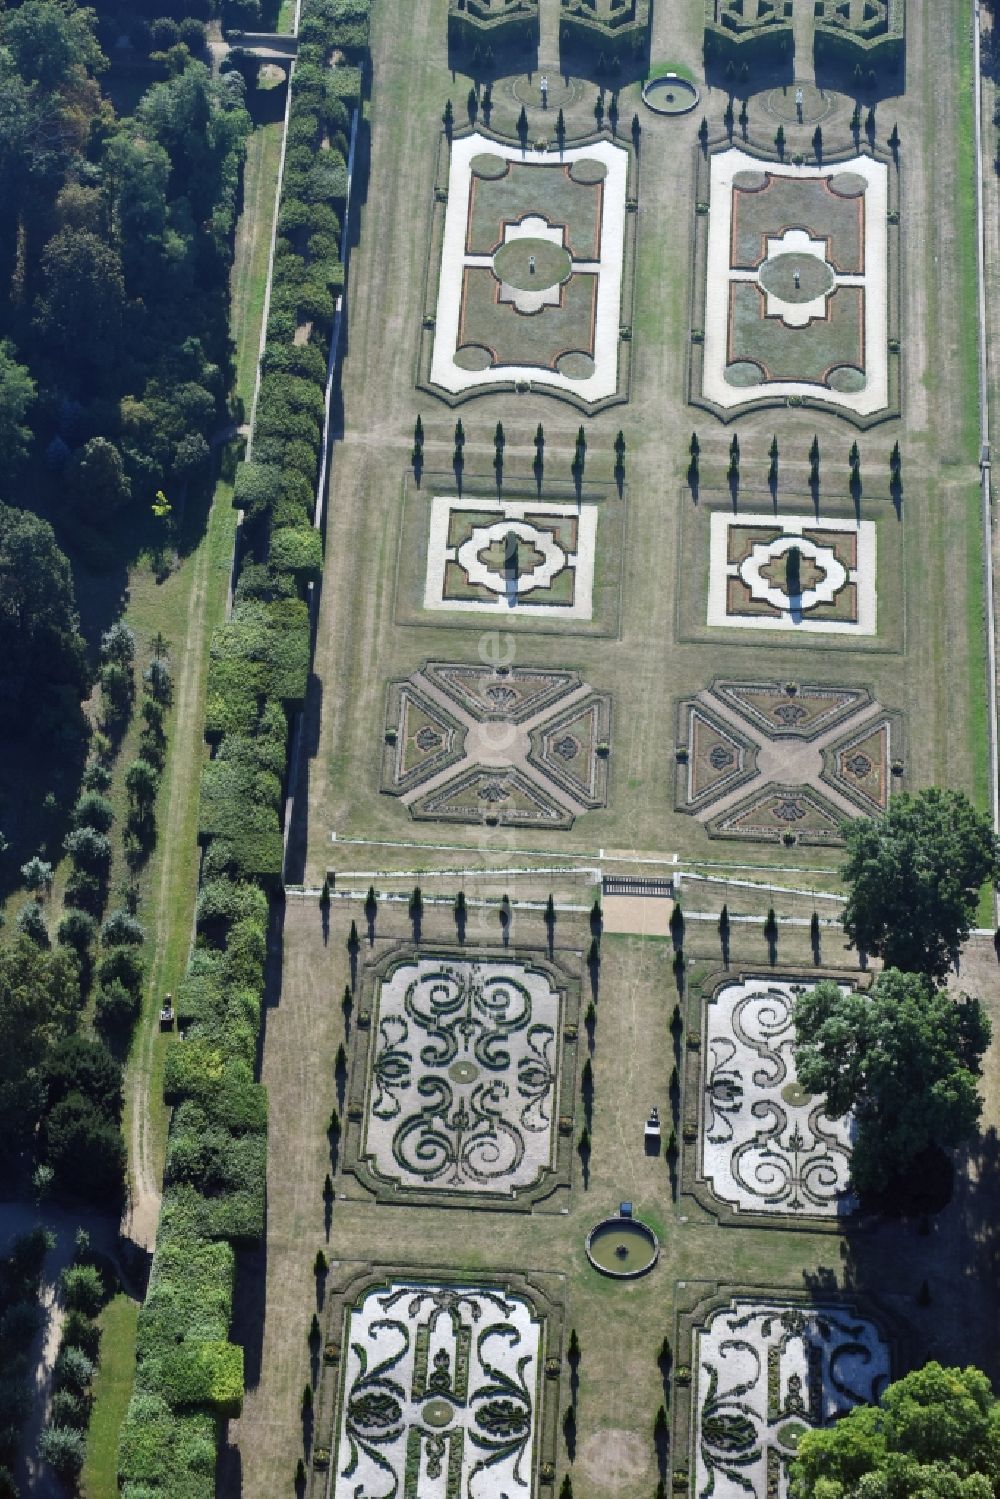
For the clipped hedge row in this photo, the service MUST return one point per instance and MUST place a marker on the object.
(874, 45)
(747, 33)
(260, 657)
(475, 28)
(620, 36)
(188, 1375)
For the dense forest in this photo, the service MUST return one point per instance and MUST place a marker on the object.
(115, 377)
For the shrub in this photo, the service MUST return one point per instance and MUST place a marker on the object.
(122, 965)
(36, 874)
(68, 1409)
(64, 1449)
(85, 1149)
(158, 680)
(77, 930)
(93, 811)
(85, 891)
(73, 1371)
(204, 1373)
(118, 644)
(81, 1331)
(79, 1064)
(174, 1453)
(122, 930)
(97, 777)
(31, 922)
(83, 1289)
(89, 850)
(116, 1010)
(255, 488)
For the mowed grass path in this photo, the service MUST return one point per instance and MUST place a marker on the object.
(112, 1390)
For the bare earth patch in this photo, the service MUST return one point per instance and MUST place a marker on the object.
(613, 1459)
(637, 915)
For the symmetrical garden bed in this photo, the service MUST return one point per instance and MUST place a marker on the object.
(796, 295)
(532, 262)
(770, 760)
(506, 556)
(751, 565)
(460, 1090)
(765, 1145)
(758, 1371)
(439, 1385)
(519, 746)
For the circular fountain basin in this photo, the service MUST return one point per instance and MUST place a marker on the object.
(670, 95)
(623, 1248)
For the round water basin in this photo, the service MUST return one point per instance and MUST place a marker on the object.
(670, 95)
(622, 1247)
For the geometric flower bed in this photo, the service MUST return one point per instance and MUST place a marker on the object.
(771, 572)
(796, 285)
(769, 760)
(462, 1078)
(765, 1144)
(519, 746)
(440, 1394)
(508, 557)
(764, 1372)
(463, 1092)
(531, 268)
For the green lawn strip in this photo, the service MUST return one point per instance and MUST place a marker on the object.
(112, 1390)
(191, 611)
(249, 278)
(964, 222)
(660, 70)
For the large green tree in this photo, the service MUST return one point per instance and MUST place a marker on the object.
(39, 1003)
(51, 43)
(935, 1434)
(904, 1058)
(914, 876)
(40, 643)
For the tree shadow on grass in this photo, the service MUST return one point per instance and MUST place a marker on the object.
(955, 1250)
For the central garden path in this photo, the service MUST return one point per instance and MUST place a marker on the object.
(548, 35)
(804, 31)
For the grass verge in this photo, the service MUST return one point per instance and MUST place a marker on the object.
(112, 1390)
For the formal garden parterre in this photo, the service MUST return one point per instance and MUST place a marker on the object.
(532, 272)
(789, 760)
(765, 1144)
(795, 291)
(763, 1371)
(462, 1089)
(439, 1384)
(545, 557)
(768, 752)
(517, 746)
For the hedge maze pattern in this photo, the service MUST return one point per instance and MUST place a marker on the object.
(764, 1373)
(464, 1085)
(769, 760)
(766, 1146)
(440, 1394)
(520, 746)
